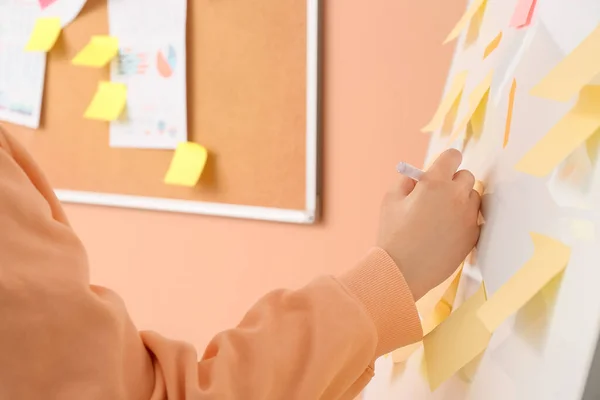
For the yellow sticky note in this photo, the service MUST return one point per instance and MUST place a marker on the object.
(509, 114)
(108, 102)
(583, 230)
(403, 354)
(187, 165)
(450, 293)
(576, 70)
(98, 52)
(550, 257)
(477, 108)
(569, 133)
(473, 9)
(493, 45)
(456, 341)
(474, 27)
(44, 34)
(452, 96)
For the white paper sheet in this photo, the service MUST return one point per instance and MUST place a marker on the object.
(22, 73)
(152, 63)
(570, 22)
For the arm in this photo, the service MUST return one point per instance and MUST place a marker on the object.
(318, 342)
(63, 339)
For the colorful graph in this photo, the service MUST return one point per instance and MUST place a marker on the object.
(131, 62)
(165, 61)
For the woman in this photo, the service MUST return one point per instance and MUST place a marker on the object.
(62, 339)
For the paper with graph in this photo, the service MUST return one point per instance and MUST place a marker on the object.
(152, 63)
(21, 72)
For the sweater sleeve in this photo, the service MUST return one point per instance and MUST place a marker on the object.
(63, 339)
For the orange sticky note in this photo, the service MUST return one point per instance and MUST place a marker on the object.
(44, 35)
(456, 341)
(108, 102)
(187, 165)
(450, 98)
(523, 13)
(509, 114)
(473, 9)
(576, 70)
(550, 257)
(493, 45)
(569, 133)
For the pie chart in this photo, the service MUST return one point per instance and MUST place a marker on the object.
(165, 61)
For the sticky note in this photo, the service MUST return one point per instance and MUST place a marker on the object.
(523, 13)
(474, 27)
(108, 102)
(493, 45)
(456, 341)
(404, 353)
(98, 52)
(45, 3)
(474, 8)
(450, 293)
(592, 146)
(479, 187)
(452, 96)
(550, 257)
(477, 108)
(571, 131)
(187, 165)
(44, 35)
(576, 70)
(509, 114)
(582, 230)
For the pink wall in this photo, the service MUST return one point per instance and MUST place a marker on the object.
(189, 277)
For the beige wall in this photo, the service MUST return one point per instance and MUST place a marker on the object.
(189, 277)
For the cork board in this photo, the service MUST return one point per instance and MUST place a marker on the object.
(252, 102)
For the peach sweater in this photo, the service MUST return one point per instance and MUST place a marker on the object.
(64, 339)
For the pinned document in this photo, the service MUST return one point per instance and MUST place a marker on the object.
(98, 52)
(44, 35)
(477, 109)
(476, 7)
(108, 102)
(570, 132)
(187, 165)
(456, 341)
(576, 70)
(523, 13)
(451, 98)
(550, 257)
(509, 114)
(493, 45)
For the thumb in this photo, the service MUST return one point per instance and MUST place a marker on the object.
(405, 185)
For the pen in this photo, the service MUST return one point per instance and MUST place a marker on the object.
(409, 171)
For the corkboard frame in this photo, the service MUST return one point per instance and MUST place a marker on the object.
(308, 215)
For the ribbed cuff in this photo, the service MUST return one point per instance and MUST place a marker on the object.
(378, 284)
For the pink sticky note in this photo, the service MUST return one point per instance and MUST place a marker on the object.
(523, 13)
(45, 3)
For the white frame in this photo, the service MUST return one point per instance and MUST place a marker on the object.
(306, 216)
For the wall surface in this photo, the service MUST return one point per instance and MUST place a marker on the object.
(189, 277)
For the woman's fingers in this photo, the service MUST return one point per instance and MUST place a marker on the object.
(405, 185)
(445, 166)
(465, 178)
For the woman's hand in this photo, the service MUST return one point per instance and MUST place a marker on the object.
(429, 227)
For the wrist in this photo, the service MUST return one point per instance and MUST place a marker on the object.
(411, 275)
